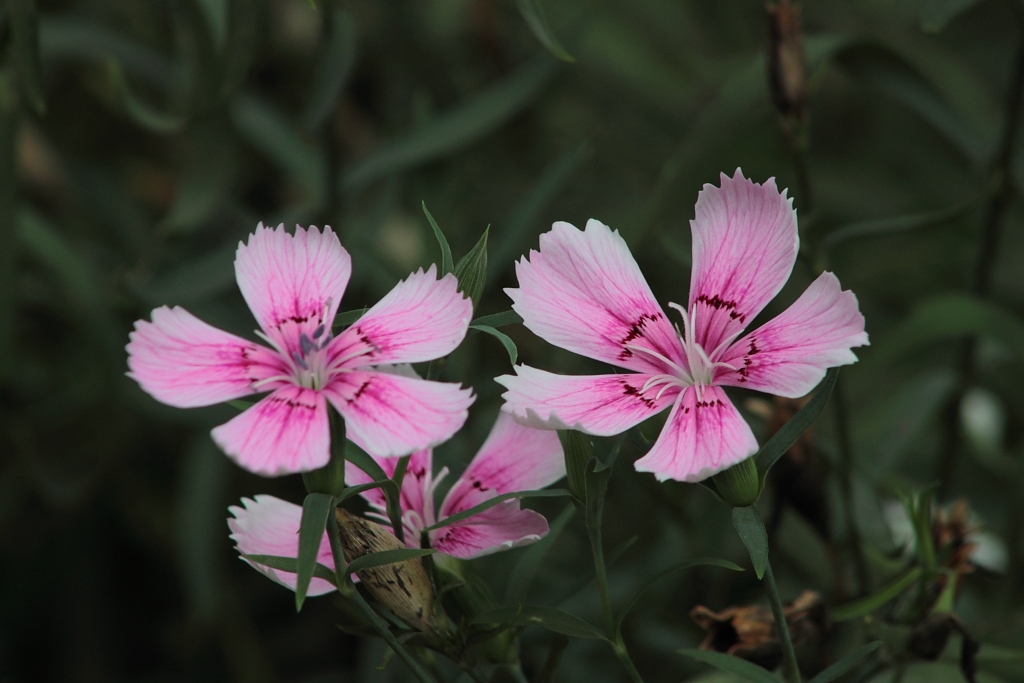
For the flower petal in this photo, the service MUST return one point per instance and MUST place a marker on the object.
(285, 432)
(700, 438)
(789, 354)
(182, 361)
(596, 404)
(744, 246)
(292, 283)
(513, 458)
(417, 490)
(421, 319)
(503, 526)
(584, 292)
(270, 526)
(390, 415)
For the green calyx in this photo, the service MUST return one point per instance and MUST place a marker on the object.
(740, 485)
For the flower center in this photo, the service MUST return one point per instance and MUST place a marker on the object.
(701, 366)
(310, 361)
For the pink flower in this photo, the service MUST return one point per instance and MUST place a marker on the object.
(293, 285)
(584, 292)
(513, 458)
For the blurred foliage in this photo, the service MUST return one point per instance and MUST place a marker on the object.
(140, 141)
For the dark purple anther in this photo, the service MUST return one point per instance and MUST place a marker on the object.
(318, 332)
(299, 360)
(306, 344)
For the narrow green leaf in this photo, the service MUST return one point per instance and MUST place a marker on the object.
(197, 54)
(865, 606)
(45, 243)
(332, 69)
(140, 112)
(25, 51)
(343, 320)
(731, 664)
(750, 528)
(206, 178)
(239, 404)
(538, 23)
(446, 252)
(499, 319)
(383, 557)
(291, 565)
(471, 270)
(522, 224)
(506, 341)
(216, 14)
(359, 488)
(784, 439)
(76, 39)
(315, 509)
(549, 617)
(578, 450)
(497, 500)
(456, 129)
(196, 279)
(845, 664)
(697, 562)
(882, 69)
(267, 129)
(900, 224)
(241, 44)
(950, 317)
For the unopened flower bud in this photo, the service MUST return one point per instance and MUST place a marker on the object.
(402, 587)
(740, 485)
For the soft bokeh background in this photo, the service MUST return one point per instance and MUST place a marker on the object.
(140, 141)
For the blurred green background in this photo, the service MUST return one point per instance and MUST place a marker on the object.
(140, 141)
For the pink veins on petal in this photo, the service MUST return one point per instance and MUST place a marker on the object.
(293, 283)
(584, 292)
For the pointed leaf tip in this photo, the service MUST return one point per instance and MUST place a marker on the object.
(446, 251)
(315, 509)
(471, 270)
(750, 528)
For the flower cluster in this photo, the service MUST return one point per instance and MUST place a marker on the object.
(582, 291)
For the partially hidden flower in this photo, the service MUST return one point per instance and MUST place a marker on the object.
(584, 292)
(513, 458)
(293, 283)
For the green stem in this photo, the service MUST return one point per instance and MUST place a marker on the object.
(980, 283)
(788, 652)
(341, 571)
(846, 487)
(627, 662)
(601, 571)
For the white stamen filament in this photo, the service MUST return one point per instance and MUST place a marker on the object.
(701, 365)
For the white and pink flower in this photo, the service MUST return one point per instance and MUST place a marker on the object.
(513, 458)
(584, 292)
(293, 283)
